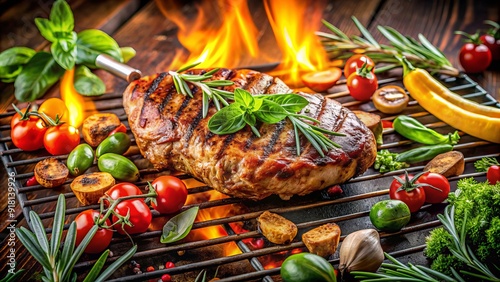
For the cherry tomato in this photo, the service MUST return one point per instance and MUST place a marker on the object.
(475, 57)
(28, 134)
(121, 190)
(405, 190)
(356, 62)
(120, 128)
(322, 80)
(140, 216)
(172, 194)
(362, 84)
(493, 174)
(17, 117)
(438, 181)
(55, 108)
(84, 222)
(493, 44)
(61, 139)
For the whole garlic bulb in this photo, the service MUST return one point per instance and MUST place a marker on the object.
(361, 251)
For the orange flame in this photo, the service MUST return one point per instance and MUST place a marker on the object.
(210, 232)
(294, 23)
(220, 35)
(77, 106)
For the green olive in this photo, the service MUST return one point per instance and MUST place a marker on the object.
(80, 159)
(390, 215)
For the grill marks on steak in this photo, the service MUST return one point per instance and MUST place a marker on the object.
(172, 134)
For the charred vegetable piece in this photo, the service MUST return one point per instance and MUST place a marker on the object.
(305, 267)
(390, 99)
(447, 164)
(88, 188)
(414, 130)
(51, 173)
(80, 159)
(98, 126)
(276, 228)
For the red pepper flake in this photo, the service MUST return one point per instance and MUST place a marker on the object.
(387, 124)
(335, 190)
(166, 278)
(150, 268)
(169, 264)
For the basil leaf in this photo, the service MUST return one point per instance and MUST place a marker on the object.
(39, 74)
(271, 112)
(244, 98)
(93, 42)
(179, 226)
(9, 74)
(61, 17)
(46, 29)
(64, 51)
(16, 56)
(250, 119)
(127, 53)
(87, 83)
(228, 120)
(292, 103)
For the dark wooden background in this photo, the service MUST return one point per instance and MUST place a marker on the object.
(141, 25)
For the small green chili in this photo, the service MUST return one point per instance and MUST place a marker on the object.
(423, 153)
(414, 130)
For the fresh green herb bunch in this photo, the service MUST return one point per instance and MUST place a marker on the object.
(248, 109)
(477, 216)
(483, 164)
(33, 73)
(421, 54)
(58, 262)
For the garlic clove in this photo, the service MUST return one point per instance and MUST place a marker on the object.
(361, 251)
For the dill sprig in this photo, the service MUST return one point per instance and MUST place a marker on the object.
(421, 53)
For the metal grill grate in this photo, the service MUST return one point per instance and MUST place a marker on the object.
(348, 210)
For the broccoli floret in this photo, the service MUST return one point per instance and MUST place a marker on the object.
(481, 202)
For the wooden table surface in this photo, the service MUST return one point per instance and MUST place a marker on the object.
(141, 25)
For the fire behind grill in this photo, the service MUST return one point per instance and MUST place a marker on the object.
(349, 210)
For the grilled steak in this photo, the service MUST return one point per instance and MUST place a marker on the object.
(171, 134)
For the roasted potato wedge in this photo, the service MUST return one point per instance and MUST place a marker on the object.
(276, 228)
(51, 173)
(97, 127)
(88, 188)
(322, 240)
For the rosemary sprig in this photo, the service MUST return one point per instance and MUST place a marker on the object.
(58, 264)
(208, 88)
(397, 271)
(421, 54)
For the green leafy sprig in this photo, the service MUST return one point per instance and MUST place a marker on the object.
(421, 54)
(484, 164)
(58, 262)
(208, 88)
(248, 109)
(33, 73)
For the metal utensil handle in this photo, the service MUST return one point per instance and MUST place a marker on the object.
(124, 71)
